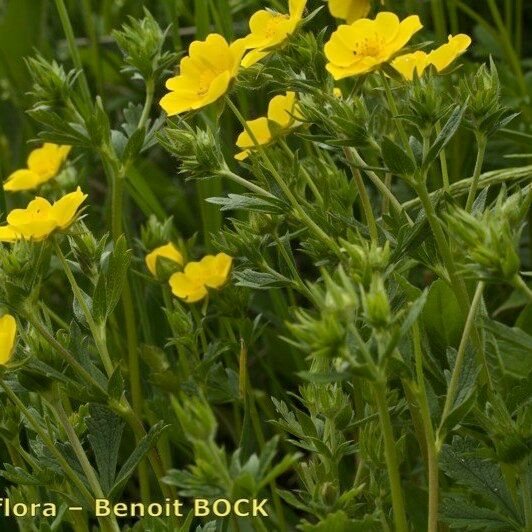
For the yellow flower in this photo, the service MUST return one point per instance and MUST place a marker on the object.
(39, 219)
(43, 164)
(349, 10)
(204, 75)
(270, 29)
(337, 93)
(168, 251)
(440, 58)
(211, 271)
(282, 113)
(365, 44)
(443, 56)
(8, 332)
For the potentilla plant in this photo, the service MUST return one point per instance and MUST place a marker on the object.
(332, 351)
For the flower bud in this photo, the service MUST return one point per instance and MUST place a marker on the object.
(197, 419)
(376, 305)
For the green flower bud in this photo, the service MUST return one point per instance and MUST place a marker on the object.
(197, 419)
(141, 42)
(376, 305)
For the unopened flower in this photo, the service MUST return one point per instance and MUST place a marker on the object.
(43, 164)
(168, 251)
(365, 44)
(349, 10)
(440, 58)
(282, 113)
(8, 332)
(40, 218)
(212, 271)
(270, 29)
(204, 75)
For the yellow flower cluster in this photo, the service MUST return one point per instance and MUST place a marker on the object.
(40, 218)
(206, 73)
(269, 29)
(43, 164)
(282, 114)
(8, 332)
(192, 284)
(364, 45)
(440, 58)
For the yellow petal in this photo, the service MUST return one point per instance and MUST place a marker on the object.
(218, 267)
(296, 8)
(168, 251)
(261, 134)
(253, 57)
(8, 332)
(46, 160)
(217, 89)
(443, 56)
(407, 28)
(24, 179)
(9, 234)
(187, 288)
(64, 210)
(407, 64)
(281, 109)
(349, 10)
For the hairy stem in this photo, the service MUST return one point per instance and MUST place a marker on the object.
(459, 362)
(391, 458)
(364, 199)
(481, 151)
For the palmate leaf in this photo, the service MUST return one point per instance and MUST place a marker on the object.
(464, 515)
(481, 476)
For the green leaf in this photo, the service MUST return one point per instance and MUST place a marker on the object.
(234, 202)
(465, 396)
(136, 456)
(442, 316)
(260, 280)
(514, 347)
(105, 434)
(17, 475)
(483, 477)
(447, 133)
(396, 159)
(340, 522)
(464, 515)
(111, 281)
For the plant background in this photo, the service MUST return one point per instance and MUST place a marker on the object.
(153, 184)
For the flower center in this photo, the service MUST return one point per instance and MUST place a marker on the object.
(272, 25)
(370, 46)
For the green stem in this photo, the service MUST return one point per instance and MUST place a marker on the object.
(354, 158)
(309, 222)
(457, 284)
(430, 439)
(304, 171)
(62, 351)
(526, 482)
(520, 284)
(364, 200)
(443, 162)
(109, 523)
(95, 330)
(459, 362)
(245, 183)
(395, 113)
(95, 46)
(150, 89)
(117, 200)
(481, 151)
(508, 47)
(438, 17)
(74, 52)
(54, 450)
(390, 453)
